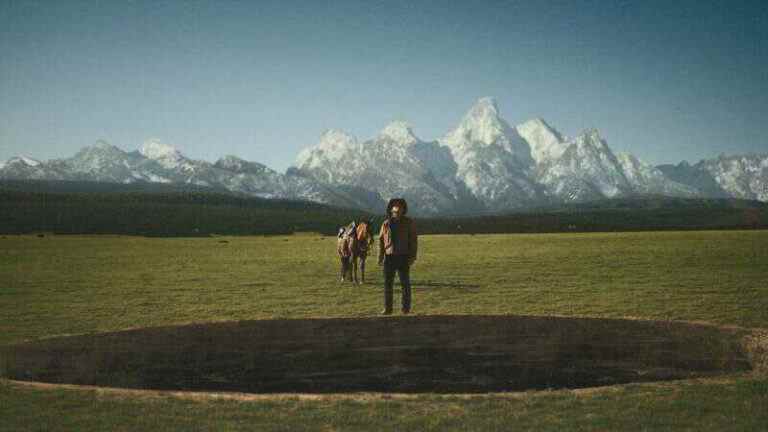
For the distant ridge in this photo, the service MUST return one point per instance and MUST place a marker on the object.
(482, 166)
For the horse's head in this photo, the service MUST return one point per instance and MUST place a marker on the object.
(363, 231)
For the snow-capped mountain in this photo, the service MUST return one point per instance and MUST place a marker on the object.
(156, 162)
(545, 142)
(105, 162)
(335, 159)
(647, 179)
(492, 159)
(394, 163)
(741, 176)
(586, 170)
(481, 165)
(252, 178)
(28, 168)
(165, 154)
(694, 176)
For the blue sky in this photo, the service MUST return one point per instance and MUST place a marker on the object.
(665, 81)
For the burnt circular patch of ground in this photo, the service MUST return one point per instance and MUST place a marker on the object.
(448, 354)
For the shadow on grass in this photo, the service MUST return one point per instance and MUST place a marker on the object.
(439, 284)
(415, 354)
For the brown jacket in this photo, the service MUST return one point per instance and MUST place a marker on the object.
(407, 239)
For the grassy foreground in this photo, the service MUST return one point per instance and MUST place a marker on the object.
(67, 285)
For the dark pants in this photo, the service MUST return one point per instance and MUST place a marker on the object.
(399, 264)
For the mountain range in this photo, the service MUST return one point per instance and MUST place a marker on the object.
(483, 165)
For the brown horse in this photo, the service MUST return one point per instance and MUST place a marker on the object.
(345, 245)
(361, 246)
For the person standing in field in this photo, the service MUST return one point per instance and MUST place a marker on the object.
(398, 244)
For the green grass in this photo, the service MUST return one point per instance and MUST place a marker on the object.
(67, 285)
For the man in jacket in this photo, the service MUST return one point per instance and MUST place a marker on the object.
(398, 244)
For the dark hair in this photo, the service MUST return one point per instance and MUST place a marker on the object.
(400, 202)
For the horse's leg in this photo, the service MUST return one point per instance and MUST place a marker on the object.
(348, 270)
(354, 268)
(362, 269)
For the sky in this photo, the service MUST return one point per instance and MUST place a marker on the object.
(665, 81)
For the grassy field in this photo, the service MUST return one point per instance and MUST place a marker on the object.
(58, 285)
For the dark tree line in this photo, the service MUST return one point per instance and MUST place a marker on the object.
(200, 213)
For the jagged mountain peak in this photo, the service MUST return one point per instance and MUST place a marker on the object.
(229, 159)
(647, 179)
(335, 137)
(483, 124)
(154, 148)
(545, 141)
(590, 137)
(399, 131)
(632, 164)
(333, 145)
(484, 106)
(165, 154)
(482, 164)
(239, 165)
(335, 142)
(231, 163)
(538, 123)
(628, 157)
(592, 134)
(24, 160)
(101, 146)
(492, 159)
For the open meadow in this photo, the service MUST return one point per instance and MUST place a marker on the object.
(73, 285)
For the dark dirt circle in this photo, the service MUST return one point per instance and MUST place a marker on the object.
(413, 354)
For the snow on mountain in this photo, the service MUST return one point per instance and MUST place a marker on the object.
(23, 160)
(399, 132)
(743, 176)
(545, 142)
(23, 167)
(647, 179)
(492, 159)
(241, 166)
(394, 168)
(586, 170)
(252, 178)
(483, 126)
(482, 165)
(30, 161)
(156, 149)
(695, 177)
(386, 166)
(165, 154)
(333, 160)
(102, 162)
